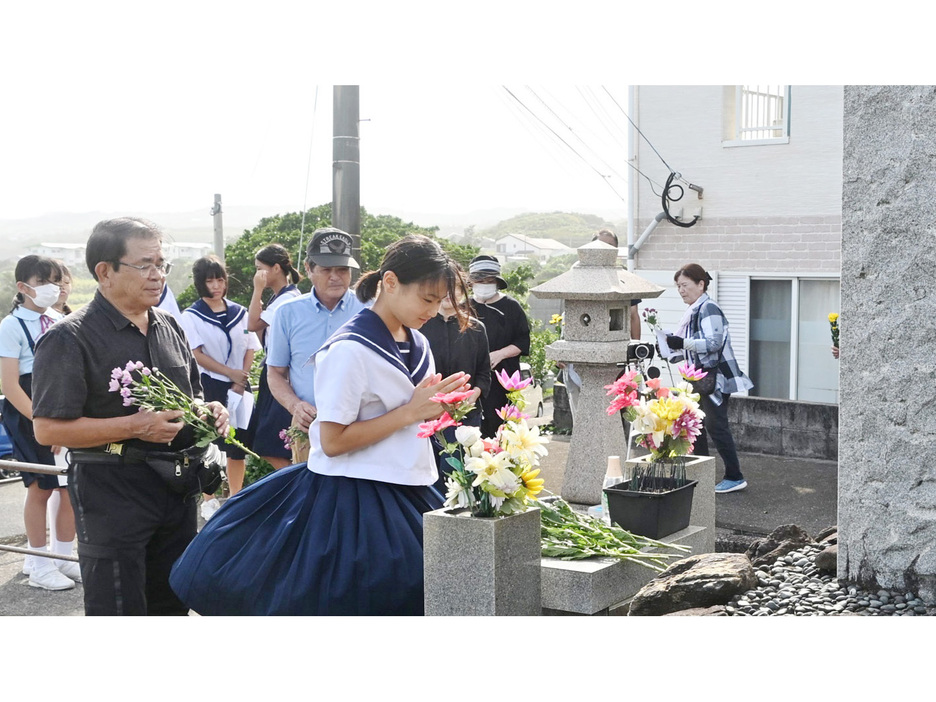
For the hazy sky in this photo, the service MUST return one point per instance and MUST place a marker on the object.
(110, 107)
(139, 111)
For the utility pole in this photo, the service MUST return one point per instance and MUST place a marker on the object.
(346, 172)
(218, 228)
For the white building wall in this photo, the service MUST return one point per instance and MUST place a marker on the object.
(767, 210)
(766, 207)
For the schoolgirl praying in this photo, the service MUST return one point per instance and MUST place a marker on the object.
(38, 286)
(342, 534)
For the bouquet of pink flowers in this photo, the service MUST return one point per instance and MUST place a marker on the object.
(665, 420)
(490, 476)
(150, 389)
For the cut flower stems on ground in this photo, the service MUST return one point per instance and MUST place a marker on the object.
(569, 535)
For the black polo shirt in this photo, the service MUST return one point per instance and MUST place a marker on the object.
(75, 357)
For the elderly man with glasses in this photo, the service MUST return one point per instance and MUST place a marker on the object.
(132, 522)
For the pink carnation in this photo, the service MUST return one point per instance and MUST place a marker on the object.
(622, 401)
(624, 384)
(452, 398)
(429, 428)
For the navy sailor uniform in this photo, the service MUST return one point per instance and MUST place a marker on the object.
(340, 535)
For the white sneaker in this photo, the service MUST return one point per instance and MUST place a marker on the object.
(209, 507)
(70, 569)
(48, 577)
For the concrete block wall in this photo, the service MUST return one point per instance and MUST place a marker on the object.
(772, 244)
(784, 427)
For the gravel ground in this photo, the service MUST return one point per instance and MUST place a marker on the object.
(794, 586)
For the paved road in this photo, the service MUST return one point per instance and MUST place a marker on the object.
(781, 491)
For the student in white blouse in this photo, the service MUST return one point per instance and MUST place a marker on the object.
(224, 349)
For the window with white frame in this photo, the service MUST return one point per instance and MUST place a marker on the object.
(757, 114)
(790, 339)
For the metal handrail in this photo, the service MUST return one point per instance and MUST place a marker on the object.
(47, 470)
(34, 467)
(41, 554)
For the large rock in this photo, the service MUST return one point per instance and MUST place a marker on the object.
(700, 581)
(828, 535)
(715, 611)
(779, 543)
(827, 560)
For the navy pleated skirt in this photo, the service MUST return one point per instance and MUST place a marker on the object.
(299, 543)
(268, 420)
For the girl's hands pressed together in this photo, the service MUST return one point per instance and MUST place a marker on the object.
(422, 405)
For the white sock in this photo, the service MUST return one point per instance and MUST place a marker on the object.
(63, 548)
(29, 562)
(39, 562)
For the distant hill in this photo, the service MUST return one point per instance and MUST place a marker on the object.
(570, 228)
(74, 227)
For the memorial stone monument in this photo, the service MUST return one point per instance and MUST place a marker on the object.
(596, 331)
(887, 426)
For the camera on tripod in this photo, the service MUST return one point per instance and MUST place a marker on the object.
(639, 351)
(639, 356)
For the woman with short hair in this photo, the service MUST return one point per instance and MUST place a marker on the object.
(703, 335)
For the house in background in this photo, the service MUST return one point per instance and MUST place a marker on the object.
(186, 251)
(72, 254)
(765, 164)
(521, 246)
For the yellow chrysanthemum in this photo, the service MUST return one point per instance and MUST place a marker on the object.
(833, 317)
(669, 409)
(532, 484)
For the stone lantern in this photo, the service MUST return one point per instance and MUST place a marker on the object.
(596, 332)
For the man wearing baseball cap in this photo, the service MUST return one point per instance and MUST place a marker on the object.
(302, 325)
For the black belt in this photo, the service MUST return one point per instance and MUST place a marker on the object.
(121, 454)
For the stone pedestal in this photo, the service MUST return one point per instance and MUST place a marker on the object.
(702, 469)
(481, 566)
(598, 585)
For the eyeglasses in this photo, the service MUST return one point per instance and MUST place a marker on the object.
(147, 270)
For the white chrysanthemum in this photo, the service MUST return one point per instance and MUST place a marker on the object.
(456, 495)
(486, 465)
(646, 422)
(523, 443)
(504, 481)
(468, 436)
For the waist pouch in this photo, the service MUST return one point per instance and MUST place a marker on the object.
(191, 470)
(706, 386)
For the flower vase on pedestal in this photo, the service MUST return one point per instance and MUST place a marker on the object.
(481, 566)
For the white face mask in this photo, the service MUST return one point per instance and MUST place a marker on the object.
(483, 291)
(46, 295)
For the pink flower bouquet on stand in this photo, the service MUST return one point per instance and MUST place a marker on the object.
(665, 420)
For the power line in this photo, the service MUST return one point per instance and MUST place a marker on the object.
(559, 137)
(632, 166)
(305, 195)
